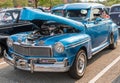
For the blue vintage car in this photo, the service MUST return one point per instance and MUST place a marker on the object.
(60, 44)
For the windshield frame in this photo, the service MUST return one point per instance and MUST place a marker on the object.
(65, 12)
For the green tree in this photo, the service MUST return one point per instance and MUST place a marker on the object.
(13, 3)
(49, 3)
(20, 3)
(6, 3)
(111, 2)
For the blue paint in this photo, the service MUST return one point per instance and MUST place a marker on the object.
(92, 36)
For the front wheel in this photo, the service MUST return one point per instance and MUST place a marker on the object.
(78, 68)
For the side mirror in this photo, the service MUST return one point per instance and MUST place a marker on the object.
(87, 20)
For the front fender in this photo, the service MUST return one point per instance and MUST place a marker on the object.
(75, 44)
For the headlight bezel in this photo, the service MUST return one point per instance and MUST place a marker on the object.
(59, 47)
(9, 42)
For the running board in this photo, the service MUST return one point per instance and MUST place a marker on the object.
(98, 49)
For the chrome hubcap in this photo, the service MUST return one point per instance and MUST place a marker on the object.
(81, 63)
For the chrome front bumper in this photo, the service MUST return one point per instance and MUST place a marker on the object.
(24, 64)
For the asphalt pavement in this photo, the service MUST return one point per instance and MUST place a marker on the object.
(102, 68)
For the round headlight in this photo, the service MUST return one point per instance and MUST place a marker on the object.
(59, 47)
(9, 42)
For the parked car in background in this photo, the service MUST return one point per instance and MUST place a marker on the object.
(108, 8)
(8, 16)
(44, 9)
(10, 24)
(60, 44)
(115, 14)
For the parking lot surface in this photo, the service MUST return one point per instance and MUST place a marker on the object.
(102, 68)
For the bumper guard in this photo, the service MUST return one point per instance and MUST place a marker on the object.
(32, 66)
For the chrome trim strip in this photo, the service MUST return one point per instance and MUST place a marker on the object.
(18, 25)
(118, 27)
(4, 27)
(22, 24)
(114, 13)
(100, 49)
(25, 45)
(76, 44)
(3, 36)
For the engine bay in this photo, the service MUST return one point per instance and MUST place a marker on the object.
(51, 29)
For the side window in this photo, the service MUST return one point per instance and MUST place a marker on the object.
(104, 14)
(99, 13)
(7, 16)
(95, 13)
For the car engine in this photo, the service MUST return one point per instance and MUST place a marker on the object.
(51, 29)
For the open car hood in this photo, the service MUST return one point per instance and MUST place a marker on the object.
(33, 14)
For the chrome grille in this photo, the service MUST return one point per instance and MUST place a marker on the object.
(33, 50)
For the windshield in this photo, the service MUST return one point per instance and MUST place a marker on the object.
(76, 14)
(72, 14)
(115, 9)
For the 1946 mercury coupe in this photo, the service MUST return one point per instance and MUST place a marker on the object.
(60, 44)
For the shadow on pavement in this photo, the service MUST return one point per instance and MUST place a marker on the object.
(19, 76)
(98, 55)
(117, 80)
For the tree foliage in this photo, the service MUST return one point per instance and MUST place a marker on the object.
(47, 3)
(6, 3)
(20, 3)
(13, 3)
(111, 2)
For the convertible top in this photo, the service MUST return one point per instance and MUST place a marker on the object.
(31, 14)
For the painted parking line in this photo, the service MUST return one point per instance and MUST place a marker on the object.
(104, 70)
(1, 63)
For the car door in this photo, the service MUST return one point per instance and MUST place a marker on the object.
(97, 28)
